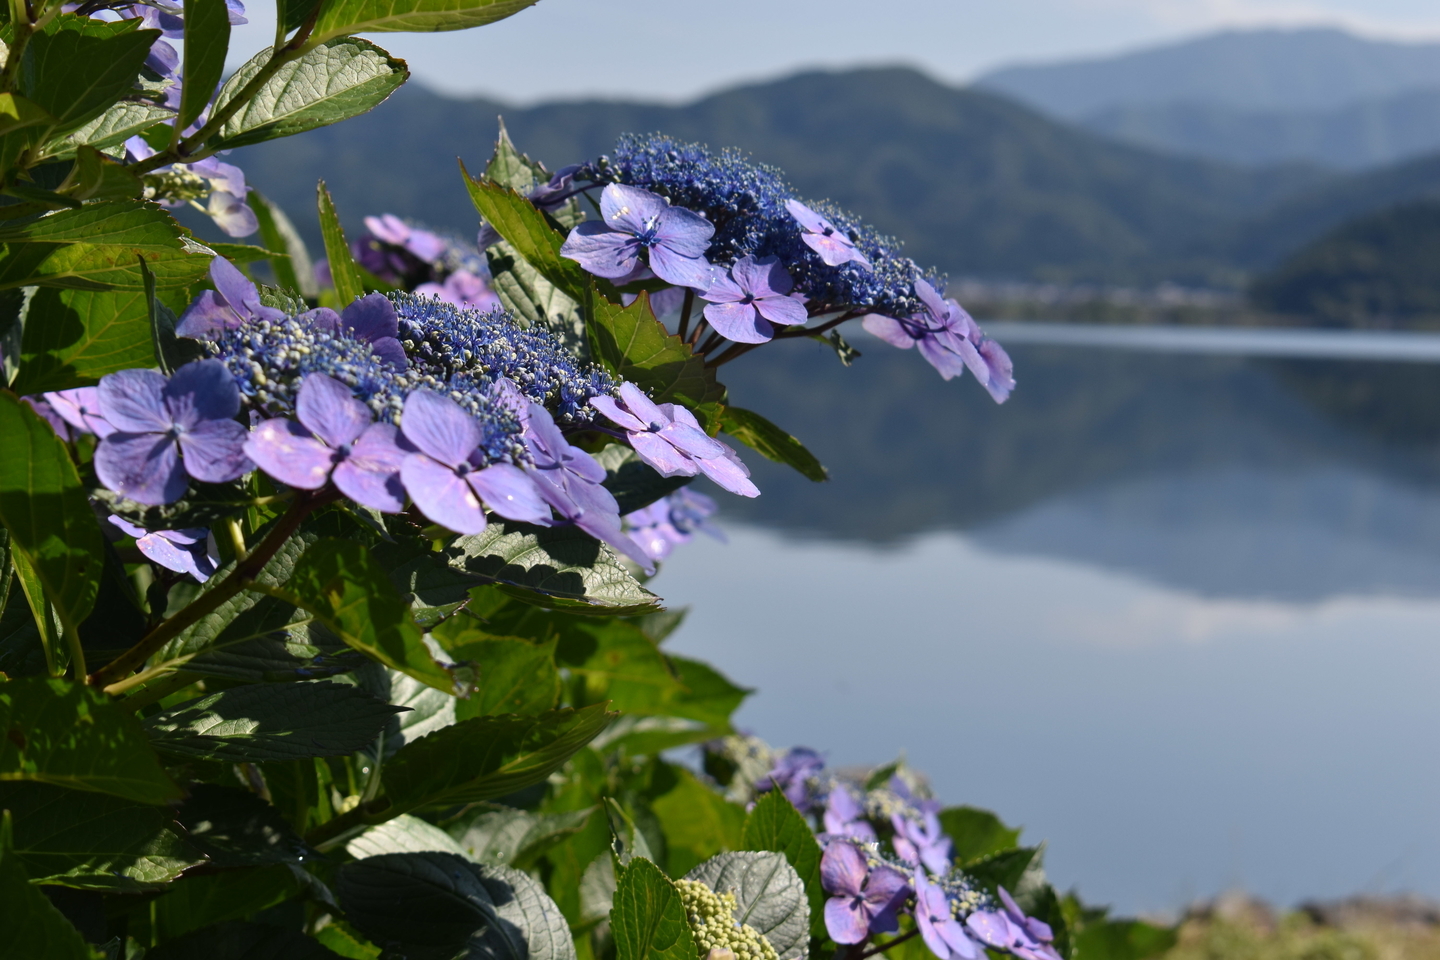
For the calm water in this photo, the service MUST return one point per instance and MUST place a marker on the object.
(1177, 614)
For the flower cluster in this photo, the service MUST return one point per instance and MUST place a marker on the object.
(671, 521)
(712, 921)
(429, 263)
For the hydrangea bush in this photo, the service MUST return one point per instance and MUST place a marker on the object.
(324, 618)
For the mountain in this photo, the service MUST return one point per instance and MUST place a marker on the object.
(1268, 70)
(973, 182)
(1360, 135)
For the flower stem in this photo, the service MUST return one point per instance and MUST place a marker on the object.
(684, 330)
(207, 603)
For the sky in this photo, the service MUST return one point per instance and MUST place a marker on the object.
(676, 50)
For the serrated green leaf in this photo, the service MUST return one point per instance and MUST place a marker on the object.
(769, 896)
(344, 272)
(529, 234)
(411, 16)
(347, 589)
(77, 67)
(648, 920)
(697, 822)
(565, 566)
(207, 40)
(92, 841)
(334, 81)
(403, 834)
(43, 505)
(976, 833)
(75, 337)
(235, 828)
(71, 736)
(534, 300)
(508, 167)
(1004, 869)
(99, 247)
(771, 442)
(487, 757)
(98, 177)
(774, 824)
(271, 721)
(635, 346)
(30, 926)
(517, 838)
(116, 125)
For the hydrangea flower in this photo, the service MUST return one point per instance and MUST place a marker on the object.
(844, 816)
(792, 774)
(922, 841)
(671, 521)
(864, 900)
(50, 415)
(668, 437)
(446, 476)
(80, 408)
(1012, 931)
(942, 933)
(820, 235)
(423, 244)
(191, 550)
(756, 295)
(555, 191)
(335, 439)
(636, 221)
(234, 301)
(167, 429)
(949, 339)
(462, 288)
(370, 319)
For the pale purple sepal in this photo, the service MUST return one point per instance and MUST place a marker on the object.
(80, 408)
(821, 236)
(234, 300)
(635, 220)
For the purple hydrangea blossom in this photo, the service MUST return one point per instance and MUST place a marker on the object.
(234, 301)
(922, 841)
(226, 206)
(635, 220)
(464, 289)
(865, 900)
(80, 408)
(191, 550)
(746, 305)
(570, 480)
(167, 429)
(942, 933)
(671, 521)
(793, 774)
(51, 416)
(1010, 930)
(668, 437)
(443, 478)
(551, 194)
(335, 439)
(844, 816)
(370, 319)
(821, 236)
(949, 339)
(390, 229)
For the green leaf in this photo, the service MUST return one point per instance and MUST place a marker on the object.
(171, 351)
(207, 40)
(518, 676)
(487, 757)
(340, 937)
(271, 721)
(633, 482)
(43, 505)
(342, 584)
(707, 694)
(334, 81)
(534, 300)
(774, 824)
(697, 822)
(97, 177)
(976, 833)
(529, 234)
(1002, 869)
(845, 353)
(404, 834)
(235, 828)
(92, 841)
(617, 662)
(1123, 940)
(343, 270)
(648, 920)
(565, 566)
(291, 263)
(426, 709)
(237, 939)
(99, 247)
(635, 346)
(768, 895)
(771, 442)
(43, 616)
(116, 125)
(77, 68)
(627, 841)
(30, 926)
(71, 736)
(516, 838)
(410, 16)
(75, 337)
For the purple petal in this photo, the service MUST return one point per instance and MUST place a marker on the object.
(617, 414)
(834, 250)
(441, 494)
(327, 407)
(892, 331)
(370, 318)
(807, 218)
(729, 473)
(606, 526)
(723, 290)
(509, 491)
(370, 475)
(999, 371)
(740, 322)
(193, 559)
(207, 316)
(126, 527)
(132, 401)
(885, 886)
(692, 440)
(81, 409)
(684, 232)
(992, 928)
(425, 245)
(214, 451)
(232, 214)
(943, 353)
(680, 269)
(145, 467)
(237, 289)
(930, 297)
(845, 920)
(440, 428)
(50, 415)
(658, 453)
(782, 310)
(765, 277)
(389, 228)
(843, 869)
(628, 208)
(323, 319)
(602, 251)
(644, 409)
(222, 176)
(200, 390)
(290, 453)
(547, 444)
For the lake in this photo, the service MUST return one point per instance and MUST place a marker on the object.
(1174, 608)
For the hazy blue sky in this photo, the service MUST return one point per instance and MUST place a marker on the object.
(675, 49)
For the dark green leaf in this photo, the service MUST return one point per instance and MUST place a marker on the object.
(516, 838)
(648, 920)
(207, 40)
(237, 940)
(261, 645)
(291, 263)
(410, 16)
(99, 247)
(636, 347)
(768, 895)
(97, 177)
(774, 824)
(343, 271)
(92, 841)
(526, 293)
(1003, 869)
(171, 351)
(116, 125)
(75, 337)
(976, 833)
(488, 757)
(44, 616)
(617, 662)
(271, 721)
(635, 484)
(43, 505)
(30, 926)
(517, 676)
(76, 68)
(771, 442)
(1123, 940)
(708, 695)
(529, 234)
(342, 584)
(329, 83)
(235, 828)
(845, 353)
(403, 834)
(697, 821)
(71, 736)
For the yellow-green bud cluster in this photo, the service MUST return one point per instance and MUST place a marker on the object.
(712, 921)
